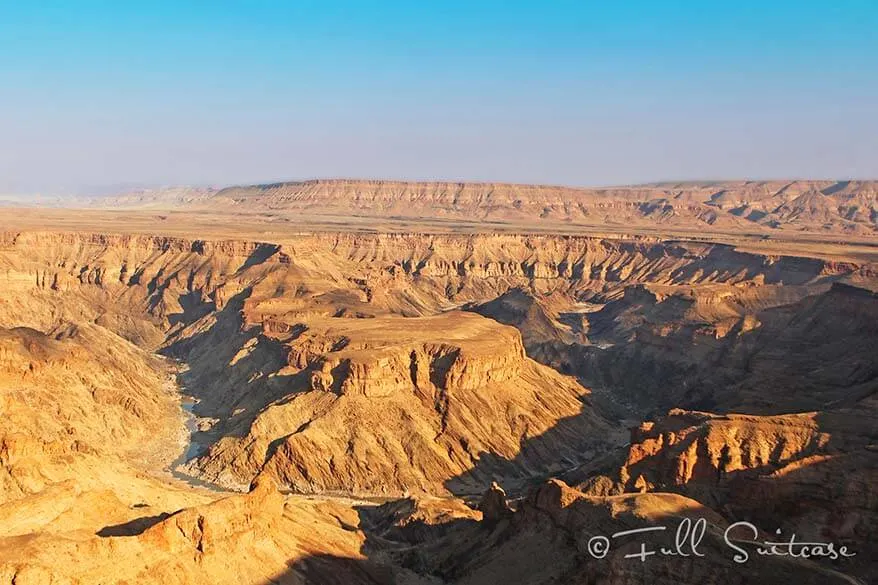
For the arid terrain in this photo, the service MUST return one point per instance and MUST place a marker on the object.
(366, 382)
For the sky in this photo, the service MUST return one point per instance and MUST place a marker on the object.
(103, 95)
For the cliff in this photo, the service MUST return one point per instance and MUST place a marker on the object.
(847, 206)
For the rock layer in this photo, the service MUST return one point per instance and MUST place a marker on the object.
(795, 205)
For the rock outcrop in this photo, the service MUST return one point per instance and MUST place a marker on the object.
(254, 537)
(812, 474)
(561, 535)
(493, 505)
(390, 404)
(73, 397)
(758, 350)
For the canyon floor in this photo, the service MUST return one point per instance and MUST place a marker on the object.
(255, 386)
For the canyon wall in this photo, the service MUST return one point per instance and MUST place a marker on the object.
(818, 206)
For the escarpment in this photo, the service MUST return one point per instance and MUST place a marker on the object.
(827, 206)
(169, 278)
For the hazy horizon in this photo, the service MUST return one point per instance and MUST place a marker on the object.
(110, 190)
(99, 94)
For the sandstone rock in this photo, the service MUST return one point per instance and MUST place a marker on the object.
(809, 474)
(493, 504)
(404, 404)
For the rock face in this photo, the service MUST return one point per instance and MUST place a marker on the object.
(760, 350)
(811, 205)
(704, 448)
(75, 396)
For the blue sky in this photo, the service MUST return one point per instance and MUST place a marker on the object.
(95, 95)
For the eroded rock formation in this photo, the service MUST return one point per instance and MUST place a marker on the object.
(794, 205)
(356, 364)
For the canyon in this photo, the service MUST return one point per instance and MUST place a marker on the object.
(275, 397)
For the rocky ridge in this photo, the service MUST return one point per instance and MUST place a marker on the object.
(818, 206)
